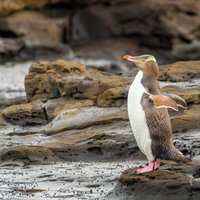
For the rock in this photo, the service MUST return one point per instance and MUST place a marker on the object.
(77, 133)
(70, 79)
(113, 96)
(63, 78)
(187, 120)
(80, 130)
(185, 51)
(8, 6)
(34, 30)
(129, 19)
(56, 107)
(45, 85)
(25, 114)
(95, 142)
(37, 37)
(78, 118)
(190, 95)
(180, 71)
(109, 49)
(12, 101)
(83, 31)
(188, 143)
(11, 46)
(54, 23)
(2, 121)
(28, 154)
(169, 181)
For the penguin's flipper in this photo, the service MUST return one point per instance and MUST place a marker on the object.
(180, 101)
(162, 101)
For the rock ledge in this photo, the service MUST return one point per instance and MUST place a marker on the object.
(170, 180)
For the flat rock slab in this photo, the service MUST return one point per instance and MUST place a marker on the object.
(165, 183)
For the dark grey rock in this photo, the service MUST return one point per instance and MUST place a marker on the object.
(170, 181)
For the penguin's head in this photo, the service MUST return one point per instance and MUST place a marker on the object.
(146, 63)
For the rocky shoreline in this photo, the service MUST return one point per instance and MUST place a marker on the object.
(75, 114)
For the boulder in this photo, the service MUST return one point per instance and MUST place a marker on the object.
(43, 78)
(170, 181)
(71, 79)
(34, 28)
(83, 31)
(180, 71)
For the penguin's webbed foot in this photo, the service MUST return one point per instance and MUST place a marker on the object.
(152, 165)
(156, 164)
(145, 169)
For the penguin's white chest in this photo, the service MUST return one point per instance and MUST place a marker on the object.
(137, 116)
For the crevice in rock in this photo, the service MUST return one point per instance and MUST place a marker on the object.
(45, 113)
(184, 39)
(96, 150)
(191, 13)
(197, 173)
(8, 34)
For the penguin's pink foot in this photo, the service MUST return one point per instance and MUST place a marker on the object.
(146, 169)
(156, 164)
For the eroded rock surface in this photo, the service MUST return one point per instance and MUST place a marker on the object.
(170, 181)
(48, 80)
(180, 71)
(25, 114)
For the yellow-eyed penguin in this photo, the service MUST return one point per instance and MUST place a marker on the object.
(148, 115)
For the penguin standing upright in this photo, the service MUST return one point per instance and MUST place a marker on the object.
(148, 115)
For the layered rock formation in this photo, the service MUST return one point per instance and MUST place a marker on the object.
(34, 29)
(47, 80)
(77, 113)
(170, 181)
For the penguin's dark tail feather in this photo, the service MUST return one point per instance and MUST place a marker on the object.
(175, 155)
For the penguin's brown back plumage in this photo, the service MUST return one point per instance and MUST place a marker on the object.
(160, 130)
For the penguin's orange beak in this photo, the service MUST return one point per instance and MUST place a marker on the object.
(130, 58)
(139, 63)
